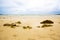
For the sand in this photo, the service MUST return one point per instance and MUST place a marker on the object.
(35, 33)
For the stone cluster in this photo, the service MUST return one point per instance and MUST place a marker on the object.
(46, 23)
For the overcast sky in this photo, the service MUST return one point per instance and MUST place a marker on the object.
(29, 6)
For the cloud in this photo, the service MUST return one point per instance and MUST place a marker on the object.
(30, 6)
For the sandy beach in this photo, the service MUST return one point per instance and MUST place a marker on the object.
(33, 32)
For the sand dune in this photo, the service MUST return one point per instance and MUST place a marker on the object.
(29, 27)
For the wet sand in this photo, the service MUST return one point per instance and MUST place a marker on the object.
(29, 28)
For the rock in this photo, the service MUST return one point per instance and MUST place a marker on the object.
(46, 25)
(24, 27)
(7, 24)
(18, 22)
(47, 22)
(13, 25)
(29, 27)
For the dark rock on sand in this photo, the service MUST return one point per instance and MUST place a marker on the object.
(46, 25)
(47, 22)
(29, 27)
(18, 22)
(13, 25)
(24, 27)
(7, 24)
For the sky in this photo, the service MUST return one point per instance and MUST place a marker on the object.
(29, 6)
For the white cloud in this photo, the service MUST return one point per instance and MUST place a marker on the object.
(25, 6)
